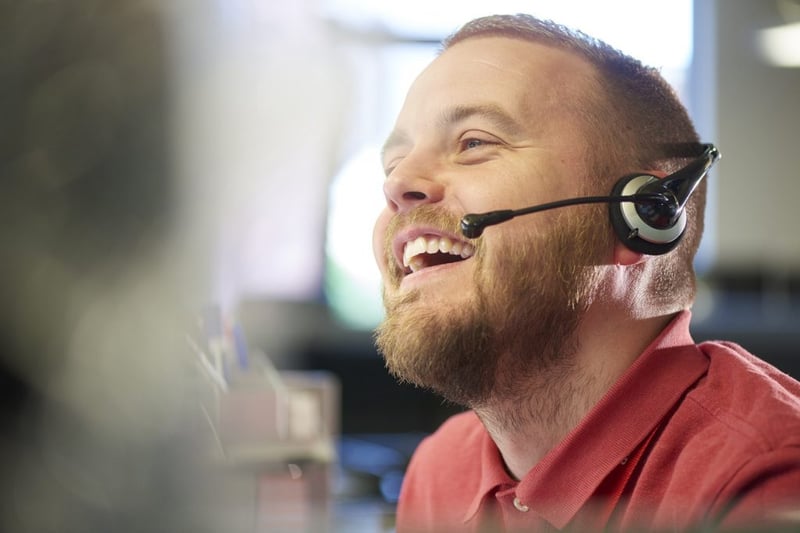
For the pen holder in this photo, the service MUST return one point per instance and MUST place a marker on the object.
(276, 446)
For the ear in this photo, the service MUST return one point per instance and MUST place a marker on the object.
(624, 256)
(657, 173)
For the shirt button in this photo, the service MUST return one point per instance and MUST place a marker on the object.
(520, 506)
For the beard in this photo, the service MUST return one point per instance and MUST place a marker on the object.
(518, 328)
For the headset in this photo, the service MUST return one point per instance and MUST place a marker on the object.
(648, 213)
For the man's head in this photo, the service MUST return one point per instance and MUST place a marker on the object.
(634, 119)
(513, 112)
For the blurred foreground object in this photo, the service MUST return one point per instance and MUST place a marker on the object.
(96, 280)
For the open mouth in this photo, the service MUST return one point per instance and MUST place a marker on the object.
(427, 251)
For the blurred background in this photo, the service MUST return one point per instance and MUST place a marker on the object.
(187, 196)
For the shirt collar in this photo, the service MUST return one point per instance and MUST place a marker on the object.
(565, 479)
(493, 475)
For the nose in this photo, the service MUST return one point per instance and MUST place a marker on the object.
(406, 189)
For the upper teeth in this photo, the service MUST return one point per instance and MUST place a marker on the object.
(413, 251)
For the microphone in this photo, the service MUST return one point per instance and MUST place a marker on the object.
(647, 213)
(473, 224)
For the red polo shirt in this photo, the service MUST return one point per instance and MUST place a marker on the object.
(690, 434)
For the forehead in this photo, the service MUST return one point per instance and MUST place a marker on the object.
(529, 80)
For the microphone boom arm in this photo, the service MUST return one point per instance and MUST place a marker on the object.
(473, 224)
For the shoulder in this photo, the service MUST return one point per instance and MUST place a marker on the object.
(729, 447)
(442, 476)
(742, 412)
(748, 397)
(741, 423)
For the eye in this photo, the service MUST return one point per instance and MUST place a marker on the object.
(470, 140)
(468, 144)
(477, 146)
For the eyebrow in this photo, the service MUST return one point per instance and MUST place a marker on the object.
(498, 116)
(453, 115)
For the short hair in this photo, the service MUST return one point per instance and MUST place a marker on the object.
(635, 121)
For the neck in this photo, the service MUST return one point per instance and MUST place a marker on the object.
(537, 412)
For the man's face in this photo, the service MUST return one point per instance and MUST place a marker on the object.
(490, 124)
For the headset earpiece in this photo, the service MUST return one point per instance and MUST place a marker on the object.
(655, 226)
(632, 229)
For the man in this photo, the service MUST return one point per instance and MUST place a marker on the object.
(590, 406)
